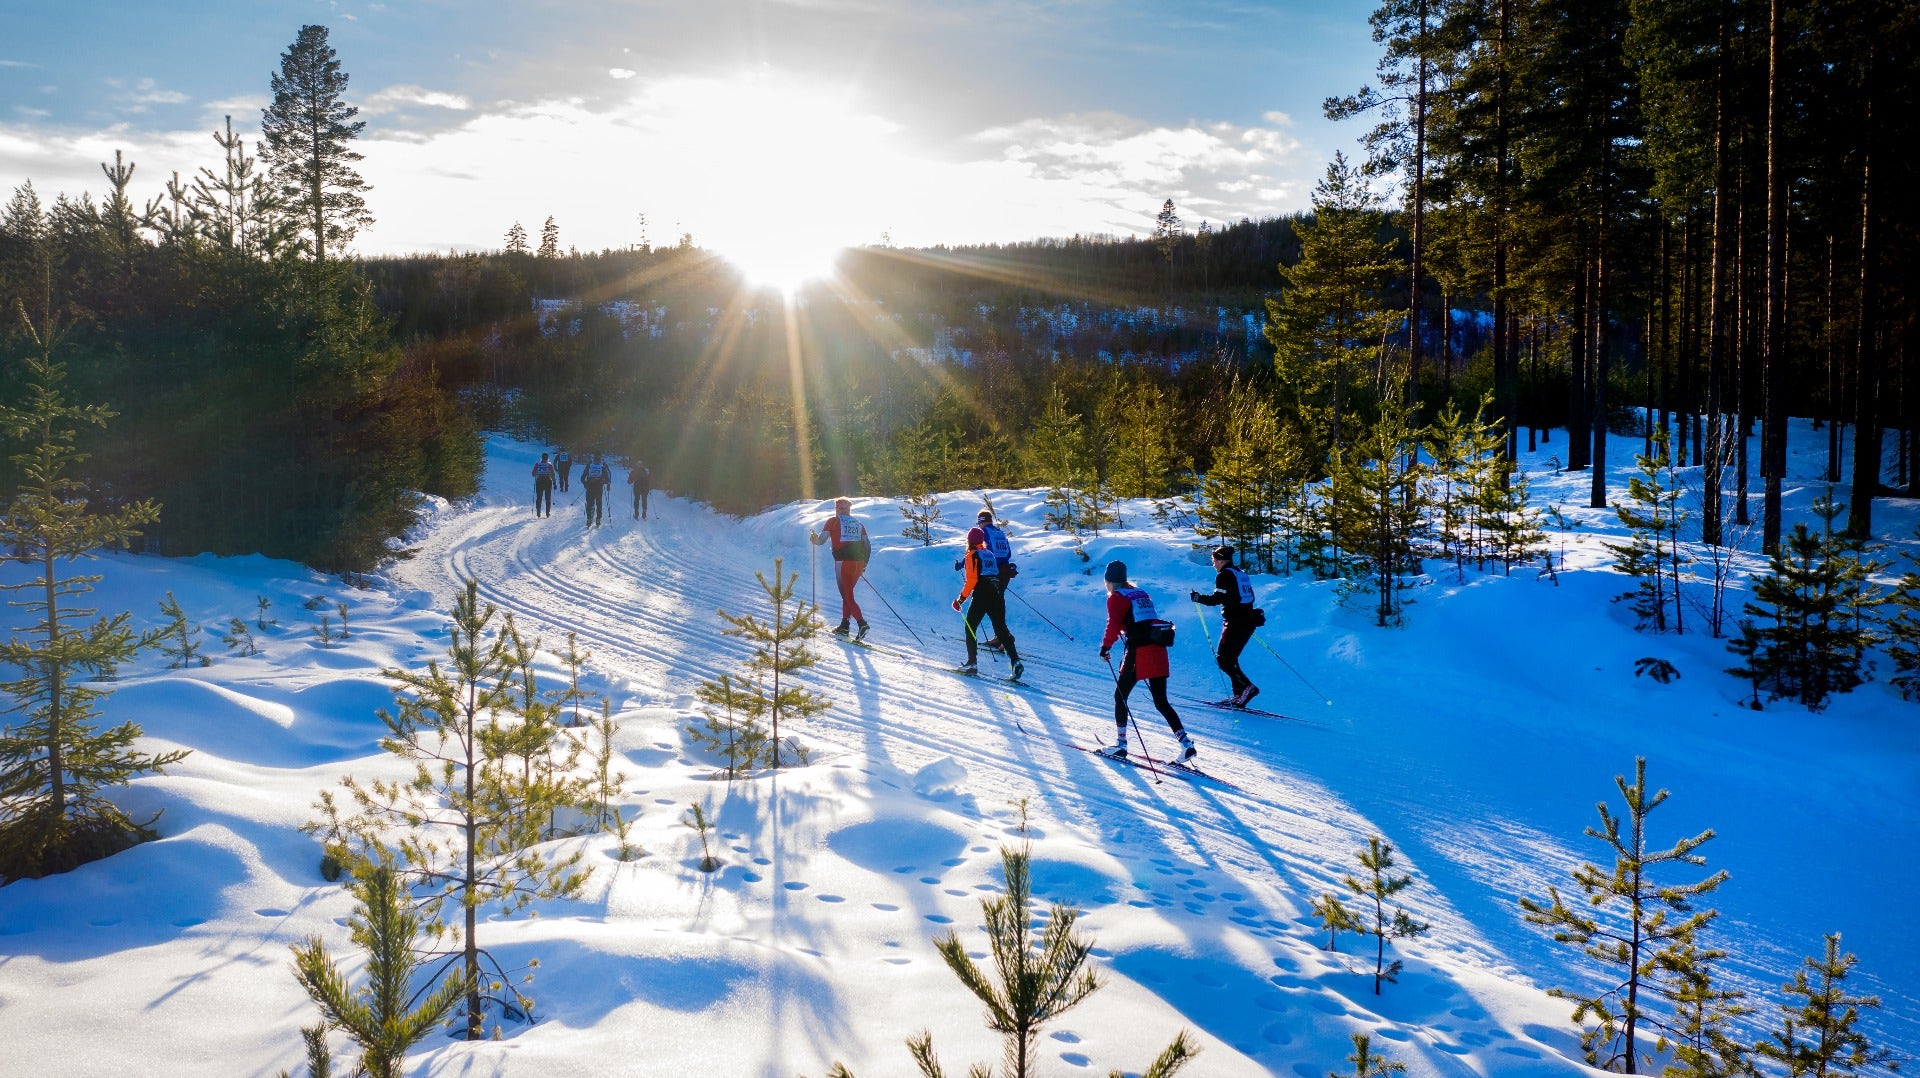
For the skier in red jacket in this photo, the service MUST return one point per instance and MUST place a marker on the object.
(1130, 614)
(851, 549)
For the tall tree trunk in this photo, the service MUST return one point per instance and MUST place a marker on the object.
(1597, 497)
(1834, 408)
(1419, 196)
(1503, 359)
(1580, 337)
(1773, 455)
(1715, 449)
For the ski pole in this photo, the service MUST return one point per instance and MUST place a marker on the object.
(896, 614)
(1127, 710)
(816, 571)
(1043, 617)
(1208, 633)
(1296, 673)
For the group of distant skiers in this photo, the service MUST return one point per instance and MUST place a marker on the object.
(989, 569)
(595, 477)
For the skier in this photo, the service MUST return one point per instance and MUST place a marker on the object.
(543, 486)
(851, 550)
(596, 477)
(996, 540)
(640, 478)
(1233, 592)
(1130, 613)
(983, 585)
(564, 461)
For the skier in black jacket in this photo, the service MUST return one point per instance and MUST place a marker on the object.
(596, 477)
(1233, 592)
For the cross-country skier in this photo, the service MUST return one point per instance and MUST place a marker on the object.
(983, 585)
(996, 540)
(851, 550)
(543, 486)
(596, 477)
(640, 478)
(564, 461)
(1130, 614)
(1233, 593)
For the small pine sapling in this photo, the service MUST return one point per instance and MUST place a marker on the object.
(323, 632)
(345, 631)
(1805, 635)
(1819, 1032)
(574, 660)
(1335, 917)
(381, 1016)
(922, 511)
(780, 651)
(698, 821)
(239, 637)
(1903, 630)
(179, 639)
(1651, 556)
(731, 724)
(319, 1056)
(1367, 1063)
(605, 784)
(1699, 1033)
(1641, 948)
(1380, 885)
(317, 602)
(260, 619)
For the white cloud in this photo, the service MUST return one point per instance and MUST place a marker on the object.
(621, 72)
(16, 63)
(31, 113)
(395, 98)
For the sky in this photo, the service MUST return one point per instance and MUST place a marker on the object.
(830, 121)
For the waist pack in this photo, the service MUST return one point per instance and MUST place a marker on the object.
(1157, 633)
(1259, 617)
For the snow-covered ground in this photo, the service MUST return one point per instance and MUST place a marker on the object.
(1477, 740)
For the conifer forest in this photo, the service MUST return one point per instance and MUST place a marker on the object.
(1564, 440)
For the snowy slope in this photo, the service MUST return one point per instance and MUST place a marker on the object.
(1477, 740)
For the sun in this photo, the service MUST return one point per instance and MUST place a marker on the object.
(794, 172)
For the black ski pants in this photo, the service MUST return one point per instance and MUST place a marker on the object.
(596, 503)
(543, 497)
(1233, 641)
(988, 602)
(639, 503)
(566, 468)
(1157, 686)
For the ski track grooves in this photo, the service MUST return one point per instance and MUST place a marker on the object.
(641, 597)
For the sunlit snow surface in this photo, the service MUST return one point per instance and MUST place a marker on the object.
(1477, 739)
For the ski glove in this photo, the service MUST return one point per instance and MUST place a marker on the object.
(956, 606)
(814, 538)
(1194, 595)
(1106, 654)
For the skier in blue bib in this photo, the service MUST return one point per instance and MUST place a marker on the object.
(543, 487)
(596, 477)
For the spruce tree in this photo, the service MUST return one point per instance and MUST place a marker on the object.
(1641, 948)
(1379, 885)
(1145, 454)
(922, 510)
(464, 827)
(1818, 1033)
(1700, 1029)
(780, 651)
(1802, 636)
(55, 763)
(237, 209)
(1651, 556)
(382, 1016)
(308, 132)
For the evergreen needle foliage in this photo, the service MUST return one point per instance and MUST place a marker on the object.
(732, 723)
(1380, 885)
(381, 1016)
(239, 637)
(1819, 1032)
(1367, 1063)
(1642, 931)
(54, 762)
(1651, 556)
(1376, 507)
(780, 651)
(1805, 635)
(178, 639)
(464, 828)
(1335, 917)
(922, 510)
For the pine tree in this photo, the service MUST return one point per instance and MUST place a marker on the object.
(1367, 1063)
(308, 133)
(922, 511)
(1327, 326)
(1651, 555)
(1508, 518)
(381, 1016)
(1032, 981)
(54, 763)
(1903, 630)
(1055, 455)
(1380, 885)
(178, 639)
(1640, 947)
(1146, 454)
(732, 725)
(1700, 1031)
(239, 637)
(1818, 1034)
(1801, 638)
(1376, 508)
(549, 240)
(517, 240)
(1336, 918)
(464, 827)
(780, 651)
(1166, 236)
(237, 209)
(1258, 470)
